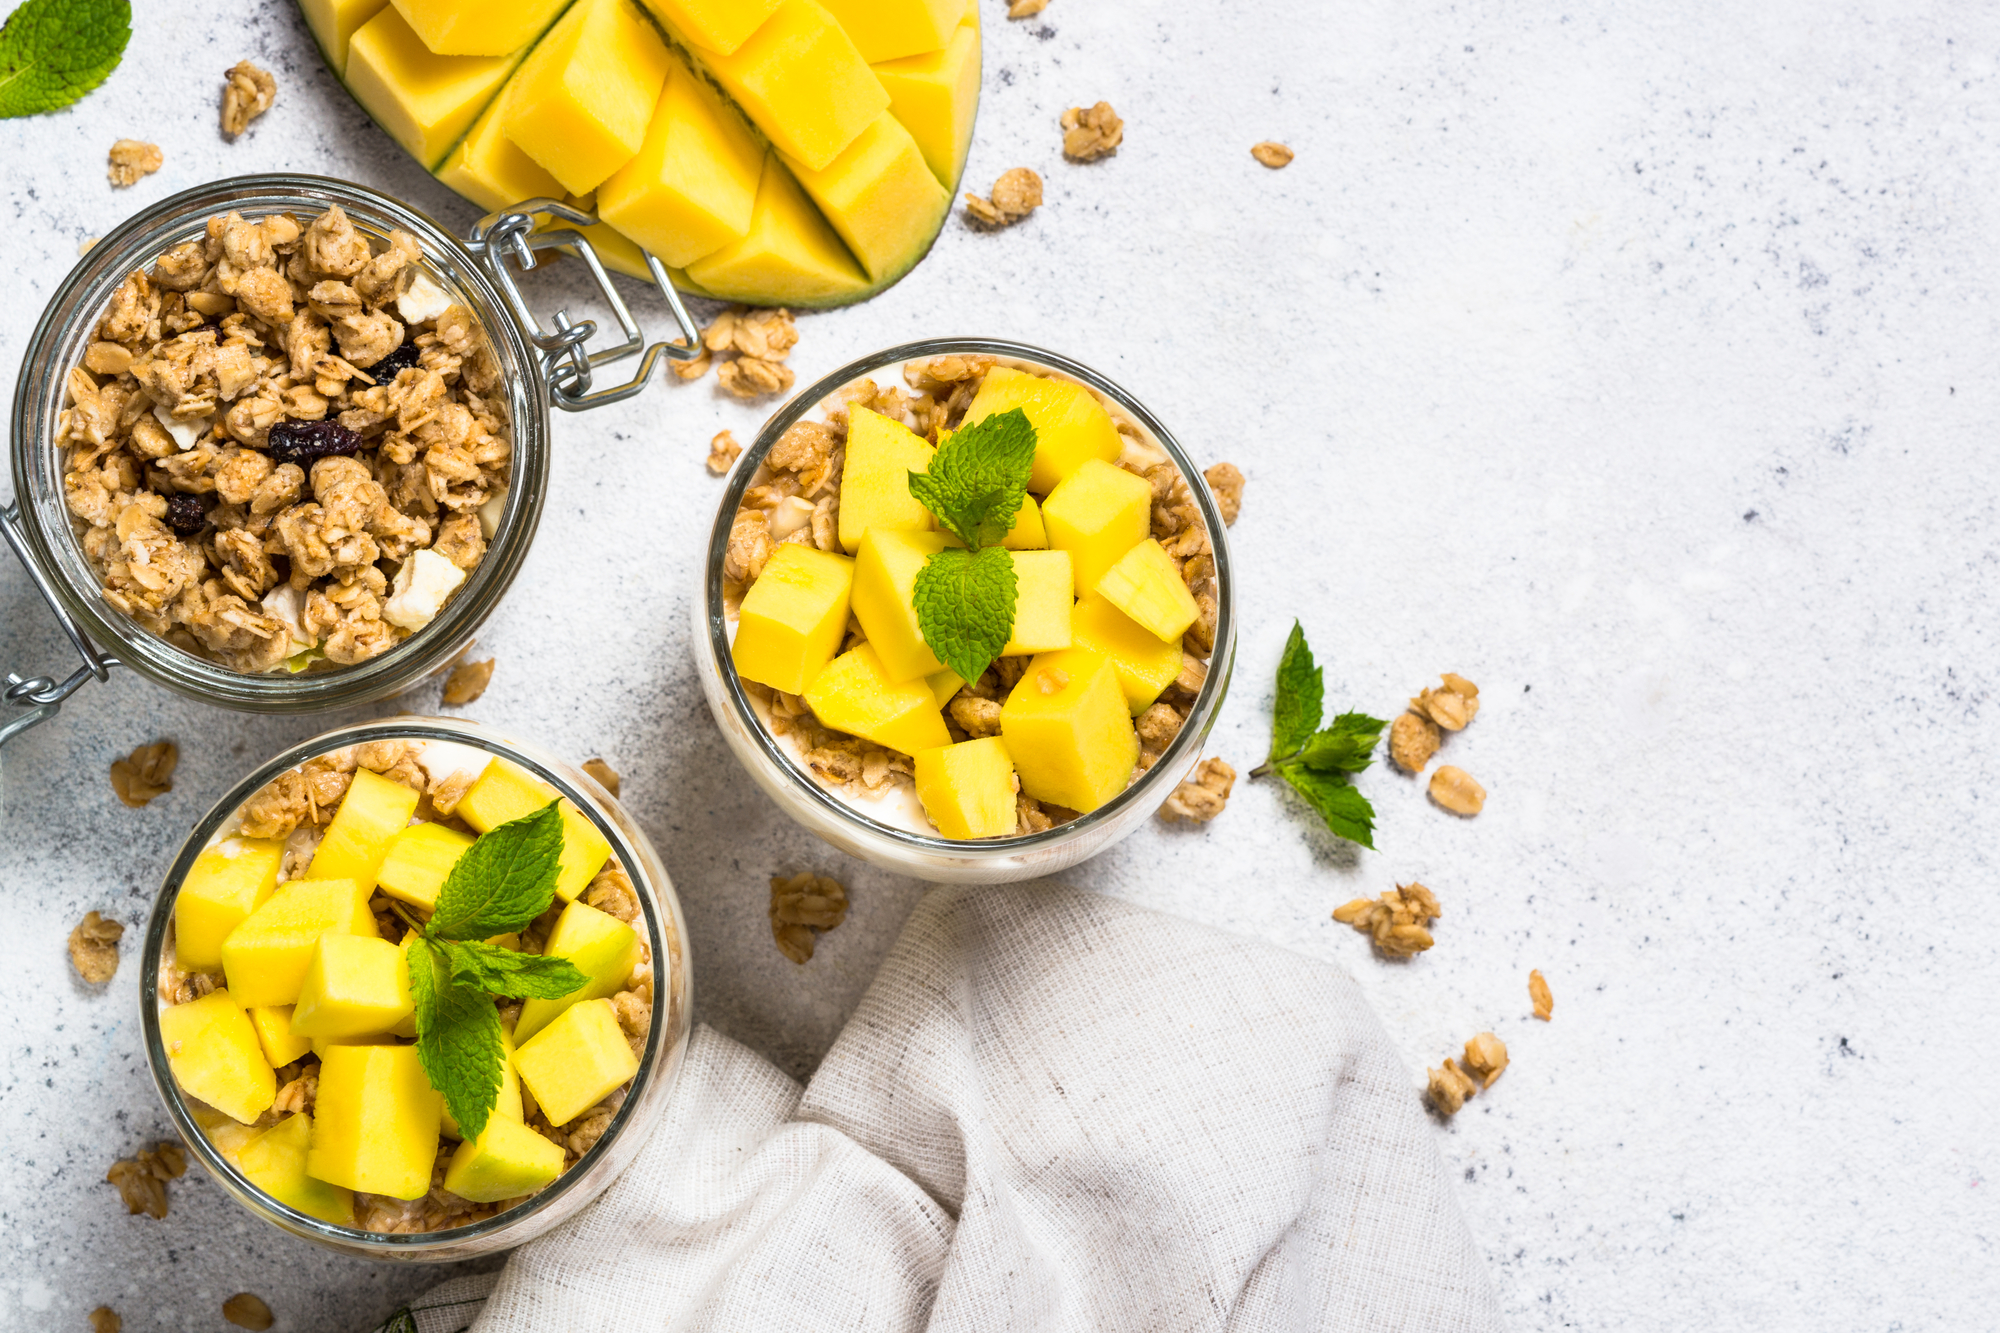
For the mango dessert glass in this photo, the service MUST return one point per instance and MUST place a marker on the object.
(837, 555)
(292, 921)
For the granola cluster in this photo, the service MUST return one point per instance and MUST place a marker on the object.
(247, 93)
(145, 773)
(1202, 797)
(803, 906)
(748, 350)
(1017, 193)
(1449, 1086)
(131, 160)
(93, 948)
(278, 427)
(142, 1178)
(1091, 132)
(1271, 154)
(1399, 921)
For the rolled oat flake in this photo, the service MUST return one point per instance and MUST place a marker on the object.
(247, 1311)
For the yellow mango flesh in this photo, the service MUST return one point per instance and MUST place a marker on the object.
(713, 25)
(491, 170)
(575, 1062)
(370, 816)
(793, 618)
(506, 1161)
(875, 480)
(214, 1055)
(477, 27)
(1097, 515)
(854, 695)
(375, 1121)
(880, 196)
(424, 101)
(1145, 585)
(507, 1101)
(275, 1162)
(1043, 595)
(354, 986)
(1069, 731)
(265, 959)
(418, 862)
(885, 577)
(226, 883)
(968, 789)
(1028, 533)
(1071, 426)
(936, 96)
(790, 255)
(601, 947)
(582, 102)
(692, 186)
(320, 1045)
(273, 1024)
(1145, 663)
(891, 29)
(944, 684)
(333, 24)
(507, 791)
(801, 80)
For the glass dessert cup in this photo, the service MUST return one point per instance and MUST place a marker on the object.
(645, 1100)
(848, 824)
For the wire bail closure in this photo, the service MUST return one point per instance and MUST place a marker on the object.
(41, 696)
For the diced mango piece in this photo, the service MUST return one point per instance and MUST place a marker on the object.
(601, 947)
(418, 862)
(424, 101)
(1097, 515)
(885, 578)
(968, 789)
(944, 684)
(507, 1101)
(491, 170)
(936, 96)
(226, 883)
(354, 985)
(1070, 424)
(793, 618)
(506, 1161)
(1028, 532)
(855, 696)
(265, 959)
(320, 1045)
(789, 254)
(803, 83)
(880, 196)
(891, 29)
(1067, 727)
(375, 1121)
(713, 25)
(1145, 585)
(370, 816)
(333, 24)
(875, 481)
(585, 96)
(275, 1162)
(693, 185)
(273, 1023)
(228, 1137)
(1043, 595)
(575, 1062)
(213, 1052)
(478, 27)
(507, 791)
(1145, 663)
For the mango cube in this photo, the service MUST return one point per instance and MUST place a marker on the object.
(507, 791)
(275, 1162)
(213, 1052)
(1145, 663)
(880, 196)
(575, 1062)
(1043, 595)
(226, 883)
(507, 1101)
(1071, 426)
(1068, 729)
(601, 947)
(854, 695)
(424, 101)
(477, 27)
(889, 29)
(355, 985)
(885, 579)
(506, 1161)
(333, 24)
(418, 862)
(491, 170)
(793, 618)
(370, 816)
(320, 1045)
(801, 79)
(1028, 532)
(375, 1121)
(265, 959)
(944, 685)
(968, 789)
(582, 102)
(789, 253)
(1097, 515)
(273, 1023)
(713, 25)
(1145, 585)
(875, 480)
(692, 186)
(936, 96)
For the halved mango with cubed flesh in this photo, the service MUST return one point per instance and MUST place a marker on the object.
(491, 170)
(789, 256)
(1044, 591)
(1145, 585)
(506, 1161)
(1071, 426)
(584, 97)
(875, 480)
(890, 29)
(371, 815)
(1068, 729)
(273, 1024)
(691, 187)
(507, 1101)
(802, 81)
(1145, 663)
(576, 1061)
(713, 25)
(1029, 533)
(425, 101)
(355, 985)
(275, 1162)
(793, 618)
(936, 96)
(215, 1057)
(478, 27)
(1097, 515)
(881, 197)
(265, 959)
(968, 789)
(600, 946)
(885, 578)
(854, 695)
(418, 862)
(226, 883)
(507, 791)
(375, 1121)
(334, 22)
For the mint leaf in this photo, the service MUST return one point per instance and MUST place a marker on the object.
(458, 1037)
(978, 477)
(505, 879)
(54, 51)
(1345, 810)
(965, 607)
(508, 972)
(1345, 747)
(1301, 689)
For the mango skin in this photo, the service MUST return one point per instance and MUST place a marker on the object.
(1145, 585)
(226, 883)
(1097, 514)
(506, 1161)
(506, 791)
(275, 1162)
(370, 816)
(214, 1055)
(265, 958)
(856, 696)
(1071, 426)
(375, 1121)
(793, 618)
(576, 1061)
(1068, 729)
(968, 789)
(601, 946)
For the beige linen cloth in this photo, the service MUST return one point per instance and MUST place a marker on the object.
(1052, 1111)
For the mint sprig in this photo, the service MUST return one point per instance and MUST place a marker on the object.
(52, 52)
(976, 484)
(1317, 763)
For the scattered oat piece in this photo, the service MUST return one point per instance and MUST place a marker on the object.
(606, 775)
(247, 1311)
(1091, 133)
(1454, 789)
(695, 369)
(1202, 797)
(247, 93)
(1017, 193)
(1021, 9)
(1413, 739)
(801, 908)
(752, 377)
(1399, 921)
(1452, 707)
(723, 452)
(104, 1319)
(760, 340)
(83, 246)
(1225, 482)
(1448, 1088)
(1273, 155)
(132, 159)
(142, 1178)
(93, 948)
(1538, 991)
(467, 681)
(1485, 1059)
(145, 773)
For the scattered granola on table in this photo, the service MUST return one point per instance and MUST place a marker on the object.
(247, 1311)
(145, 773)
(1202, 797)
(1398, 922)
(1090, 133)
(93, 948)
(1454, 789)
(247, 93)
(803, 907)
(104, 1319)
(723, 451)
(467, 681)
(606, 775)
(131, 160)
(1271, 154)
(142, 1178)
(1539, 995)
(1485, 1059)
(1021, 9)
(748, 348)
(1448, 1087)
(1017, 193)
(1225, 482)
(1452, 707)
(1413, 739)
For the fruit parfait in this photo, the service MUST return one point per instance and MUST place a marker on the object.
(972, 604)
(412, 987)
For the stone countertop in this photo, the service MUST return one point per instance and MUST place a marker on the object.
(1634, 360)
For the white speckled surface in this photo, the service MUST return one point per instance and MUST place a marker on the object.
(1636, 360)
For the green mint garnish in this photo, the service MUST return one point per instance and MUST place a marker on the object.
(1317, 763)
(976, 484)
(54, 51)
(965, 607)
(504, 880)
